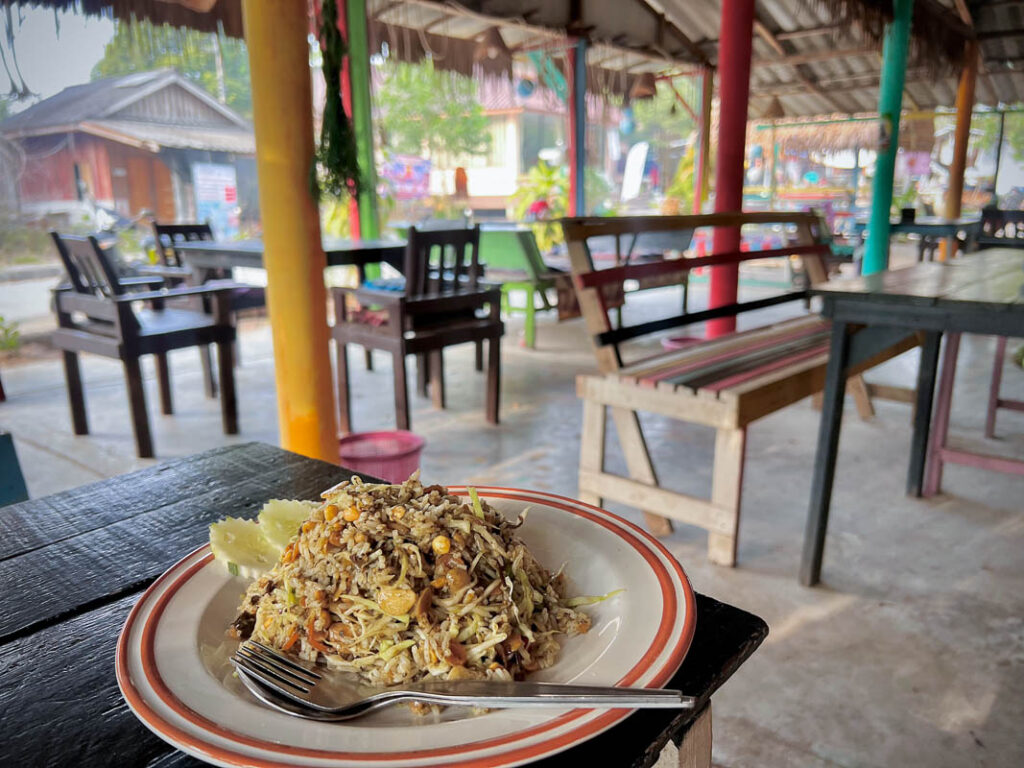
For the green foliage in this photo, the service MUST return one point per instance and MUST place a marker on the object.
(10, 337)
(662, 119)
(140, 46)
(24, 245)
(335, 168)
(548, 185)
(681, 186)
(425, 110)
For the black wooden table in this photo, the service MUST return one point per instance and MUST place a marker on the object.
(73, 564)
(208, 255)
(978, 293)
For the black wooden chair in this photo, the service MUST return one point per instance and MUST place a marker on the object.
(443, 303)
(95, 313)
(175, 270)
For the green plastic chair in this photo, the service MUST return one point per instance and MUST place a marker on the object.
(511, 258)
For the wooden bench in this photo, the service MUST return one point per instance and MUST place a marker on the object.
(726, 383)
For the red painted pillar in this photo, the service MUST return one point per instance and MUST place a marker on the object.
(734, 49)
(346, 103)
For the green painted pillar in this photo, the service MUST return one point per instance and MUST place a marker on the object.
(362, 115)
(890, 103)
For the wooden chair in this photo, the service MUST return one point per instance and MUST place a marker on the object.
(96, 314)
(442, 303)
(726, 383)
(176, 271)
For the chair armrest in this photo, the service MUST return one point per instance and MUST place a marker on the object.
(166, 271)
(140, 282)
(171, 293)
(453, 301)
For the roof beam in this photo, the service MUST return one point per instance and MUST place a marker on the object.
(814, 56)
(776, 45)
(671, 26)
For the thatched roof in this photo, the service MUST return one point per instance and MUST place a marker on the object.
(204, 15)
(833, 133)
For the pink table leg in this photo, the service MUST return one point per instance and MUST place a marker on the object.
(940, 426)
(993, 392)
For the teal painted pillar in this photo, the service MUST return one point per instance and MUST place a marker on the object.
(890, 103)
(362, 114)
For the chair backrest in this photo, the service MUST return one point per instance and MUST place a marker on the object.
(593, 284)
(1004, 225)
(169, 235)
(442, 261)
(88, 265)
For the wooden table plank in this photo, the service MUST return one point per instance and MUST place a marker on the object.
(62, 704)
(52, 519)
(106, 562)
(60, 700)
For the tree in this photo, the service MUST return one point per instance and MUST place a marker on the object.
(426, 110)
(140, 46)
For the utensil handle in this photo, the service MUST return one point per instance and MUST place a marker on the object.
(498, 695)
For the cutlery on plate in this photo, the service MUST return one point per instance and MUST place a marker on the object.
(342, 696)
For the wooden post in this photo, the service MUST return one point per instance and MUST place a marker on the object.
(577, 128)
(964, 108)
(704, 153)
(362, 115)
(282, 99)
(890, 102)
(734, 52)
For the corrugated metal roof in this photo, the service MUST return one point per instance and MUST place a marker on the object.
(802, 57)
(154, 135)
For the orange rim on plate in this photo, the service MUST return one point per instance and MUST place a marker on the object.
(169, 583)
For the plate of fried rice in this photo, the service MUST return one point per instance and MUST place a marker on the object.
(401, 583)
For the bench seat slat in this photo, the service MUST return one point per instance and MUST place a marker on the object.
(817, 352)
(676, 373)
(738, 342)
(706, 376)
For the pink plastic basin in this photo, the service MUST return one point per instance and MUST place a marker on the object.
(389, 455)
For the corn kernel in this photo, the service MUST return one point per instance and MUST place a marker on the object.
(308, 526)
(330, 512)
(494, 665)
(397, 513)
(442, 545)
(360, 538)
(351, 514)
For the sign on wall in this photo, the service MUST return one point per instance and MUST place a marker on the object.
(216, 191)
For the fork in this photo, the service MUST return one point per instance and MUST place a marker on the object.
(344, 696)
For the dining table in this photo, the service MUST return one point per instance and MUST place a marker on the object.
(74, 563)
(980, 293)
(206, 256)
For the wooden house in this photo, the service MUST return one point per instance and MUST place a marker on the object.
(128, 143)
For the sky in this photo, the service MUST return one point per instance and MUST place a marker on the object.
(51, 61)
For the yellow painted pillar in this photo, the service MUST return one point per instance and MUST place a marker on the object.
(964, 109)
(282, 100)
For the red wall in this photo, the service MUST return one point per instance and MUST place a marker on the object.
(49, 175)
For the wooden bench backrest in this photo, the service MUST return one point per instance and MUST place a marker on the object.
(590, 281)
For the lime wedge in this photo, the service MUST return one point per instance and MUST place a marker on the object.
(280, 520)
(239, 545)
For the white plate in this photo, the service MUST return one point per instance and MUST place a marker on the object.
(173, 670)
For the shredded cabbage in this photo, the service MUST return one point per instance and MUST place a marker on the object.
(474, 497)
(575, 602)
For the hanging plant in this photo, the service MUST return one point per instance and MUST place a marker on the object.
(335, 168)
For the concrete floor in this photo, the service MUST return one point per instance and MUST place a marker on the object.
(910, 653)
